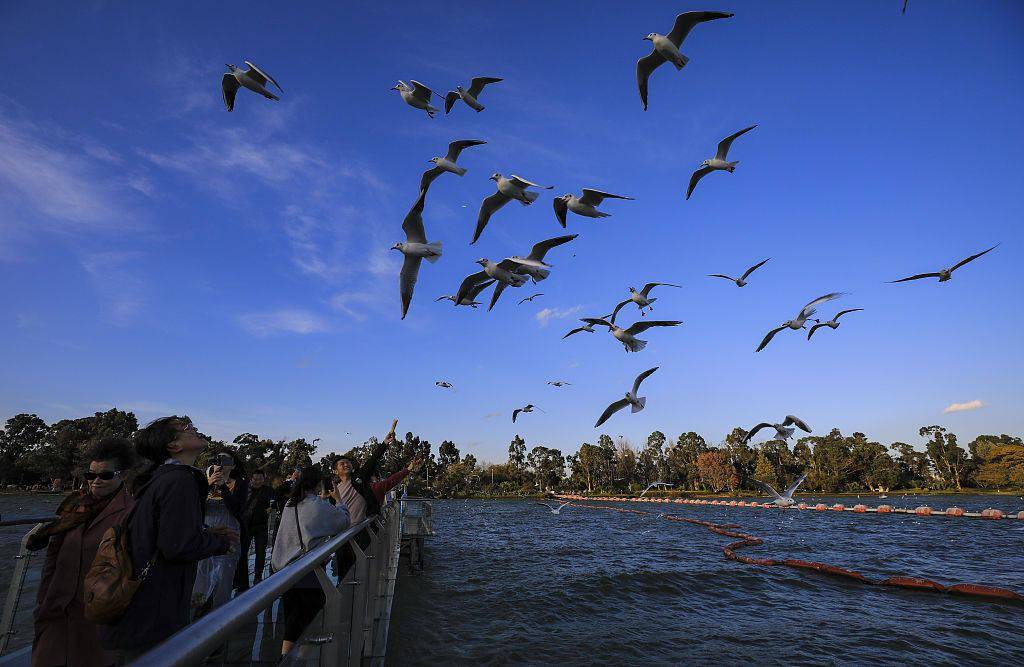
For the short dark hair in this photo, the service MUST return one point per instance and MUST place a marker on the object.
(151, 441)
(308, 482)
(118, 450)
(259, 471)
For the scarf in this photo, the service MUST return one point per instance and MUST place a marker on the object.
(80, 508)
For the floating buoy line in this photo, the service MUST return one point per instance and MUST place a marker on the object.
(746, 540)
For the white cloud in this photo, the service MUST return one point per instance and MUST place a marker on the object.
(288, 320)
(118, 285)
(961, 407)
(545, 316)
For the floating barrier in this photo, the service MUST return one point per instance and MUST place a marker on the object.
(745, 540)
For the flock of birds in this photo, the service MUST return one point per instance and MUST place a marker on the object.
(516, 271)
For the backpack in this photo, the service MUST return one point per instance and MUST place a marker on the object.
(109, 584)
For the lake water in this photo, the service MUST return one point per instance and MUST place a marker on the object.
(510, 583)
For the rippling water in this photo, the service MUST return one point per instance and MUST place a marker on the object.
(507, 582)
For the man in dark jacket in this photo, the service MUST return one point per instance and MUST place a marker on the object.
(255, 517)
(167, 538)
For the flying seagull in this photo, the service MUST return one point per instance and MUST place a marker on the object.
(782, 431)
(628, 336)
(533, 265)
(904, 7)
(742, 280)
(632, 398)
(832, 324)
(476, 86)
(554, 510)
(253, 78)
(786, 499)
(417, 95)
(530, 298)
(508, 189)
(447, 163)
(717, 163)
(528, 408)
(666, 47)
(945, 274)
(642, 298)
(415, 249)
(559, 383)
(800, 320)
(652, 485)
(585, 205)
(443, 384)
(469, 299)
(503, 272)
(589, 328)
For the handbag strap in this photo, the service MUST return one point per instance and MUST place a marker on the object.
(298, 527)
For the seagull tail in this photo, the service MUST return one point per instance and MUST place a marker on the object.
(436, 248)
(540, 274)
(529, 197)
(636, 345)
(643, 403)
(732, 166)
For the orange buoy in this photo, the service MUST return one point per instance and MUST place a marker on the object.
(860, 508)
(954, 511)
(1020, 515)
(802, 506)
(923, 510)
(820, 507)
(805, 564)
(841, 572)
(991, 514)
(984, 591)
(913, 582)
(838, 507)
(882, 509)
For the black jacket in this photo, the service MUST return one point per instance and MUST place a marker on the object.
(361, 479)
(256, 506)
(168, 521)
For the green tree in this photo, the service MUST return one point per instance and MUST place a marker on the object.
(517, 458)
(950, 461)
(715, 471)
(999, 461)
(298, 453)
(447, 456)
(831, 462)
(764, 470)
(22, 435)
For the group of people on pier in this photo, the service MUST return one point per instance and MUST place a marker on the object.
(189, 535)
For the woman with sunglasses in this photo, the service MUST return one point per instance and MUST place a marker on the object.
(62, 635)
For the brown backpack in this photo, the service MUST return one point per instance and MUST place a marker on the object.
(109, 585)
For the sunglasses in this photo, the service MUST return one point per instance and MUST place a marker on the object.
(106, 475)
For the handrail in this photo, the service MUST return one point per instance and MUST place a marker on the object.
(192, 644)
(24, 520)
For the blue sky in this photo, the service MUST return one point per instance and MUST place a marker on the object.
(162, 255)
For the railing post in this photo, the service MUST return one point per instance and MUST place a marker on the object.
(14, 591)
(329, 650)
(371, 590)
(359, 573)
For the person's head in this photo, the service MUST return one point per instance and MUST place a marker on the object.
(170, 437)
(258, 478)
(344, 466)
(295, 474)
(110, 459)
(308, 482)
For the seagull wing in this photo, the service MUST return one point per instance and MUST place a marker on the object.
(487, 209)
(843, 312)
(917, 277)
(560, 210)
(523, 183)
(754, 268)
(229, 86)
(754, 430)
(442, 298)
(767, 488)
(515, 413)
(649, 286)
(685, 22)
(768, 338)
(808, 310)
(721, 275)
(790, 420)
(724, 144)
(258, 74)
(456, 147)
(407, 280)
(640, 378)
(618, 307)
(474, 291)
(550, 507)
(695, 178)
(594, 197)
(639, 327)
(541, 249)
(972, 258)
(498, 289)
(530, 298)
(791, 489)
(644, 67)
(449, 100)
(477, 83)
(611, 410)
(429, 176)
(469, 283)
(574, 331)
(413, 223)
(596, 320)
(420, 91)
(813, 329)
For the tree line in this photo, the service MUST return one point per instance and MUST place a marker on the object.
(34, 452)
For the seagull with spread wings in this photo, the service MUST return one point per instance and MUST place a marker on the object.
(742, 280)
(800, 321)
(443, 384)
(416, 248)
(831, 324)
(469, 298)
(717, 163)
(533, 265)
(585, 205)
(503, 272)
(666, 47)
(554, 510)
(530, 298)
(508, 189)
(447, 163)
(627, 336)
(786, 499)
(783, 430)
(253, 78)
(632, 399)
(417, 95)
(642, 298)
(527, 408)
(476, 86)
(945, 274)
(559, 383)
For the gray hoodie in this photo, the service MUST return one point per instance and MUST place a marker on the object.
(319, 521)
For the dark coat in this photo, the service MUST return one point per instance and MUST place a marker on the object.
(62, 635)
(168, 522)
(361, 479)
(256, 506)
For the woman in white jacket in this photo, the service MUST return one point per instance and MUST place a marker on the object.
(306, 522)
